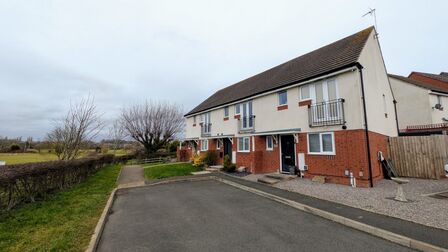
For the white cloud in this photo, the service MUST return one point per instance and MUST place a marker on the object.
(123, 52)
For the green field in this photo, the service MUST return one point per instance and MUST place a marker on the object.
(64, 222)
(21, 158)
(159, 171)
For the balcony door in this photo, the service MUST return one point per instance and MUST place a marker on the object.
(206, 122)
(248, 122)
(326, 93)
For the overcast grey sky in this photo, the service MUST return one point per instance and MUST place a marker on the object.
(123, 52)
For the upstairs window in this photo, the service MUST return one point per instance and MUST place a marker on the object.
(282, 98)
(194, 119)
(226, 112)
(269, 143)
(322, 91)
(237, 109)
(305, 92)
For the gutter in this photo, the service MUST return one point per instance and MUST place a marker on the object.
(360, 67)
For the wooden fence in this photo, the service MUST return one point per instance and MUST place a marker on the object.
(419, 156)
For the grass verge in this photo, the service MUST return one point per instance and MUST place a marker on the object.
(63, 222)
(169, 170)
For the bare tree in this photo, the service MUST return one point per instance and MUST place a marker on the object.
(116, 134)
(82, 123)
(153, 124)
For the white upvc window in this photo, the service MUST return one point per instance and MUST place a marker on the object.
(218, 144)
(282, 98)
(226, 112)
(244, 144)
(269, 143)
(305, 92)
(194, 119)
(321, 143)
(204, 145)
(321, 91)
(237, 109)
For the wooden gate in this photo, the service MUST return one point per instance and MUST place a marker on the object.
(419, 156)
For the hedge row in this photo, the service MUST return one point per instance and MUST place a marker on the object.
(28, 182)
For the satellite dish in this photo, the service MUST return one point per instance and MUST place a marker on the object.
(438, 106)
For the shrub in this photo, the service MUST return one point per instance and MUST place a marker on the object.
(227, 164)
(28, 182)
(197, 160)
(210, 157)
(15, 147)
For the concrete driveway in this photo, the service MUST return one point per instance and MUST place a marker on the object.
(211, 216)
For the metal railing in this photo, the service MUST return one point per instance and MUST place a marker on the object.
(206, 129)
(326, 113)
(246, 124)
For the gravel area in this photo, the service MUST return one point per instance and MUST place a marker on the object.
(423, 209)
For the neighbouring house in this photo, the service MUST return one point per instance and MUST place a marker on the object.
(328, 112)
(436, 80)
(420, 103)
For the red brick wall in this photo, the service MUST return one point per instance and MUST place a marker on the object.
(260, 160)
(436, 83)
(351, 154)
(189, 153)
(212, 146)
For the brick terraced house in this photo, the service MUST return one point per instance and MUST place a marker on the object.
(328, 113)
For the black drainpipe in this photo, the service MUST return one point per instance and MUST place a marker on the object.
(360, 67)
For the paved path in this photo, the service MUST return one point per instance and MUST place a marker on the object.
(211, 216)
(131, 175)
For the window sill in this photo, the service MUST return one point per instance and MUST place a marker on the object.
(226, 118)
(305, 103)
(282, 107)
(194, 125)
(237, 116)
(241, 151)
(322, 153)
(269, 149)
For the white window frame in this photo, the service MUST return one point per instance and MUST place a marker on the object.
(267, 143)
(204, 145)
(194, 119)
(312, 94)
(278, 98)
(321, 152)
(218, 144)
(243, 140)
(226, 108)
(313, 90)
(239, 108)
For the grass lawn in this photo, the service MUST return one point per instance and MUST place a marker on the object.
(64, 222)
(21, 158)
(169, 170)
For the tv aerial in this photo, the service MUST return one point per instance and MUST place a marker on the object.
(372, 12)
